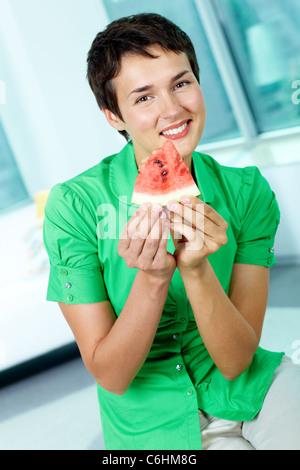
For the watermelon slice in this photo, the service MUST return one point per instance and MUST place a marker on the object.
(163, 177)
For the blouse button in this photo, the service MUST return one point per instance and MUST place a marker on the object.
(179, 367)
(176, 336)
(189, 392)
(64, 272)
(68, 285)
(70, 298)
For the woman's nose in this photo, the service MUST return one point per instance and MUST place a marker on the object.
(170, 108)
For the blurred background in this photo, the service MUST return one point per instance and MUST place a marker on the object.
(51, 129)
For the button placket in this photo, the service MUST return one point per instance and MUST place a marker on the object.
(180, 298)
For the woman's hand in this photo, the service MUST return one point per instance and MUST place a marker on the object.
(202, 231)
(143, 242)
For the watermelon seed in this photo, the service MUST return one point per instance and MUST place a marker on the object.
(164, 173)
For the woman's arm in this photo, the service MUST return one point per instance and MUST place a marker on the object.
(114, 350)
(230, 326)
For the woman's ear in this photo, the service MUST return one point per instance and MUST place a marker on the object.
(113, 120)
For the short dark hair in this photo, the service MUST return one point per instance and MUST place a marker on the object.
(132, 34)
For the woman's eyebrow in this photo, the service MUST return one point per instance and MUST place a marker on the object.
(150, 87)
(141, 89)
(179, 75)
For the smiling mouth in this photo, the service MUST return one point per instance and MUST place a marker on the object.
(177, 132)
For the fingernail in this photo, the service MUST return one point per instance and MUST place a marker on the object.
(157, 207)
(163, 215)
(185, 200)
(172, 206)
(145, 206)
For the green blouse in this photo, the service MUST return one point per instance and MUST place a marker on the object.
(84, 218)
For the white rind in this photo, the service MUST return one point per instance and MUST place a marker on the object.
(163, 199)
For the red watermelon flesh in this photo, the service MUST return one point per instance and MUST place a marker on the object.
(163, 177)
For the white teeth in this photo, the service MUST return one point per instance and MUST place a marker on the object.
(175, 131)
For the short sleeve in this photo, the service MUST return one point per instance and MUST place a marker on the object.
(259, 218)
(70, 240)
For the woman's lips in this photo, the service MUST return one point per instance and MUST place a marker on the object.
(178, 132)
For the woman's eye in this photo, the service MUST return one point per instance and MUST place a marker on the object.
(181, 85)
(143, 99)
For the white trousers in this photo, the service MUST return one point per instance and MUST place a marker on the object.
(275, 427)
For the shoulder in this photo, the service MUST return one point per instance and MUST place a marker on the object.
(234, 173)
(235, 179)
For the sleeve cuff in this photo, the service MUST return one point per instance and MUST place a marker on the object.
(260, 255)
(76, 285)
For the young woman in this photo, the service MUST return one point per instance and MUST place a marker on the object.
(170, 331)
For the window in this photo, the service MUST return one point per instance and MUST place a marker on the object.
(12, 189)
(220, 122)
(249, 59)
(264, 38)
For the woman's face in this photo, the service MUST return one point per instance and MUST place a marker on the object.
(159, 99)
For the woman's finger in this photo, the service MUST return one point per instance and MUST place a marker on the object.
(197, 205)
(134, 221)
(192, 237)
(191, 208)
(188, 214)
(165, 233)
(145, 225)
(202, 217)
(151, 242)
(129, 229)
(131, 245)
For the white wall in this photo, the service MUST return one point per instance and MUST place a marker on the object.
(284, 181)
(270, 157)
(50, 115)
